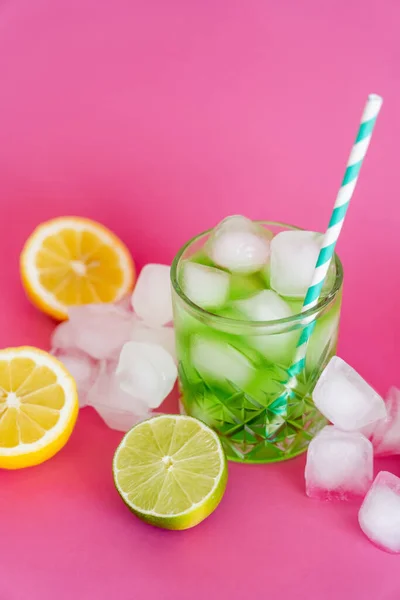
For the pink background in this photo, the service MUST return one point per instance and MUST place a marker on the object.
(159, 118)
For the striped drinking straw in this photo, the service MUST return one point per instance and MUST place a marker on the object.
(357, 155)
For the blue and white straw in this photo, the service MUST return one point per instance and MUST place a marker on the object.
(331, 236)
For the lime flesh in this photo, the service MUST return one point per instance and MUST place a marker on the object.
(171, 471)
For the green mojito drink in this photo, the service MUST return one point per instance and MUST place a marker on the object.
(238, 291)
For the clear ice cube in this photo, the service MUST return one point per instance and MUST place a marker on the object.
(151, 298)
(268, 306)
(379, 515)
(147, 372)
(386, 433)
(163, 336)
(339, 465)
(277, 347)
(323, 340)
(345, 398)
(63, 336)
(264, 306)
(99, 330)
(239, 245)
(294, 255)
(120, 420)
(220, 362)
(83, 369)
(118, 409)
(205, 286)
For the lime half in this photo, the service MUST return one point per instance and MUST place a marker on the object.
(171, 471)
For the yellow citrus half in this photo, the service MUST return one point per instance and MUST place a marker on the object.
(72, 260)
(38, 407)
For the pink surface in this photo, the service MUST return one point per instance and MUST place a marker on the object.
(158, 119)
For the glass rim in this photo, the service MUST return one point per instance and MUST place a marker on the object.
(295, 319)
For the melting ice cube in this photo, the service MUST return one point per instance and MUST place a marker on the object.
(82, 368)
(147, 372)
(63, 336)
(239, 245)
(205, 286)
(267, 305)
(345, 398)
(118, 409)
(220, 362)
(379, 515)
(151, 298)
(264, 306)
(293, 258)
(163, 336)
(99, 330)
(339, 465)
(323, 340)
(386, 433)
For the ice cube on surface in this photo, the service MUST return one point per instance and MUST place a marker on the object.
(386, 433)
(339, 465)
(147, 372)
(205, 286)
(125, 303)
(379, 515)
(220, 362)
(99, 330)
(293, 258)
(239, 245)
(63, 336)
(120, 420)
(163, 336)
(83, 369)
(345, 398)
(118, 409)
(151, 298)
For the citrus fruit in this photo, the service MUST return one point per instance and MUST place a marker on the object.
(72, 260)
(171, 471)
(38, 407)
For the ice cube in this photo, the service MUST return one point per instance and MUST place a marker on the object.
(118, 409)
(121, 420)
(125, 303)
(147, 372)
(268, 306)
(82, 368)
(151, 298)
(205, 286)
(386, 433)
(339, 465)
(239, 245)
(220, 362)
(163, 336)
(63, 336)
(345, 398)
(242, 286)
(277, 347)
(293, 258)
(264, 306)
(379, 515)
(323, 340)
(100, 330)
(266, 274)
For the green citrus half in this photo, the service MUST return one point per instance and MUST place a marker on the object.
(171, 471)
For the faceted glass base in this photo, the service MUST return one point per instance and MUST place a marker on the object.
(255, 430)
